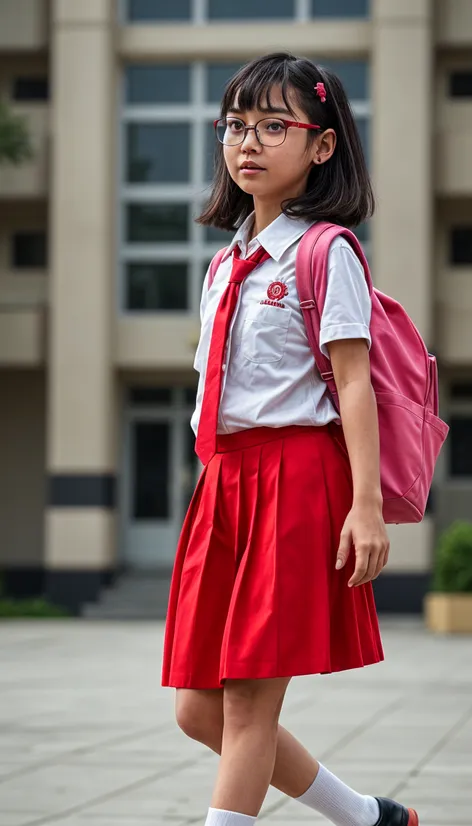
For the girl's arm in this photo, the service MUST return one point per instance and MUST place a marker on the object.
(364, 526)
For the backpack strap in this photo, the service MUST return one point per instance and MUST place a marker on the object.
(215, 263)
(312, 282)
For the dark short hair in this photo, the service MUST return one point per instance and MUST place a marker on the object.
(339, 190)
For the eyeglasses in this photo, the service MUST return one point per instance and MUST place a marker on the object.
(269, 131)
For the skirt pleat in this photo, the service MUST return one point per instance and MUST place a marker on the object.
(254, 592)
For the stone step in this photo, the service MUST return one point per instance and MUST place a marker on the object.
(133, 596)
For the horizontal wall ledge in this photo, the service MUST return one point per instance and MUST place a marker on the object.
(22, 336)
(234, 40)
(164, 340)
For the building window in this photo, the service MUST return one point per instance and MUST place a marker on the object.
(460, 84)
(157, 286)
(250, 9)
(460, 445)
(29, 89)
(154, 223)
(461, 390)
(151, 451)
(340, 8)
(155, 11)
(158, 84)
(353, 74)
(167, 163)
(149, 396)
(158, 153)
(145, 11)
(460, 250)
(29, 250)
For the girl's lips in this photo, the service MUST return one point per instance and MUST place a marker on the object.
(250, 170)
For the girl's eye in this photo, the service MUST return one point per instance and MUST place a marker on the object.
(274, 126)
(235, 125)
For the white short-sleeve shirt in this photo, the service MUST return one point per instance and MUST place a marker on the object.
(270, 378)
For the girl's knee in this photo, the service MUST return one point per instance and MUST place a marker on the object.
(199, 714)
(249, 703)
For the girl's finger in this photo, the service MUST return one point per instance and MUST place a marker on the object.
(362, 565)
(369, 574)
(380, 565)
(343, 550)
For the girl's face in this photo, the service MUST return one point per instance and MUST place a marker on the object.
(284, 169)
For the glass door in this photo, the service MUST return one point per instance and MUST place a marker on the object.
(160, 479)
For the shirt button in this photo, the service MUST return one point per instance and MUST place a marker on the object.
(223, 367)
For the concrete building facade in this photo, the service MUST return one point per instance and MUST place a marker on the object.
(101, 263)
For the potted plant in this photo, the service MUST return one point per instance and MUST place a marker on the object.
(448, 608)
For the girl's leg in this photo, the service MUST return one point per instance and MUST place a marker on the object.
(200, 716)
(251, 710)
(296, 773)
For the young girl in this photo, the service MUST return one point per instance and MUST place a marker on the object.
(284, 534)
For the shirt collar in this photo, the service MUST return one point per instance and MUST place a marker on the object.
(276, 238)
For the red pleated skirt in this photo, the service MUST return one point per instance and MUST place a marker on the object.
(254, 591)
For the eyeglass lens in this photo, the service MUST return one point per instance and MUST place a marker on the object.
(270, 131)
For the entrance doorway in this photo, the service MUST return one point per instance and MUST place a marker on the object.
(160, 473)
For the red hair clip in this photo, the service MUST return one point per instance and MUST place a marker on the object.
(320, 91)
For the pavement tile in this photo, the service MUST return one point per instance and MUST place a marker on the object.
(18, 818)
(105, 750)
(55, 788)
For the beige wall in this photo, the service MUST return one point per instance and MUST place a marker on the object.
(453, 22)
(23, 24)
(401, 156)
(22, 466)
(82, 244)
(238, 40)
(411, 547)
(22, 337)
(453, 131)
(168, 342)
(82, 437)
(453, 289)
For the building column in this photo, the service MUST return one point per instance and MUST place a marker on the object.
(402, 60)
(402, 139)
(81, 466)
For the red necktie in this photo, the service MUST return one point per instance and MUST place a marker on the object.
(205, 445)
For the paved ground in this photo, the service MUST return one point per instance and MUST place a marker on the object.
(87, 736)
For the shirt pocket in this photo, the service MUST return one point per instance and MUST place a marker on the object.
(264, 333)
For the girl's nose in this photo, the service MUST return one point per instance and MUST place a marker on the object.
(250, 140)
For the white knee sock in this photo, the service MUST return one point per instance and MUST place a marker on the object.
(220, 817)
(340, 804)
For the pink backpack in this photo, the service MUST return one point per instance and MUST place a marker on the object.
(404, 377)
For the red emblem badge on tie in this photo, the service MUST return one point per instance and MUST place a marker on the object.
(275, 292)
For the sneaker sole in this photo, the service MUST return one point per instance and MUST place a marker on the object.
(413, 819)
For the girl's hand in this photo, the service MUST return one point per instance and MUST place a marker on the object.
(365, 529)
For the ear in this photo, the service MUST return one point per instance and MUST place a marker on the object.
(324, 147)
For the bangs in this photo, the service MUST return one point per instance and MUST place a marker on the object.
(251, 88)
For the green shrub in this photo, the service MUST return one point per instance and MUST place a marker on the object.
(34, 608)
(453, 563)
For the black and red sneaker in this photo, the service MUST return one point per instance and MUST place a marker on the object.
(394, 814)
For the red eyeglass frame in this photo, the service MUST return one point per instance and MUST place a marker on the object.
(286, 123)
